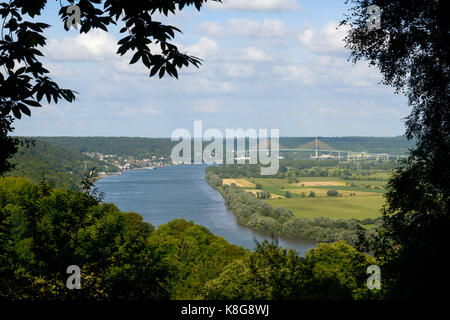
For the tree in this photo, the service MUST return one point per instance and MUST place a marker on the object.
(333, 193)
(411, 51)
(25, 81)
(312, 194)
(43, 231)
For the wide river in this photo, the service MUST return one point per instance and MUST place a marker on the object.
(169, 193)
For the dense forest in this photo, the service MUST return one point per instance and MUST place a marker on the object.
(138, 148)
(64, 168)
(44, 230)
(145, 147)
(347, 170)
(393, 145)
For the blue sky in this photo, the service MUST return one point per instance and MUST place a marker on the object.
(268, 64)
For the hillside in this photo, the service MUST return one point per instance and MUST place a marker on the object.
(65, 168)
(161, 147)
(138, 148)
(392, 145)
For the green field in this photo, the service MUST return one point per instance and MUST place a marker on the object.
(334, 208)
(366, 202)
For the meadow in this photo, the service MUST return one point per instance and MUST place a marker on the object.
(357, 199)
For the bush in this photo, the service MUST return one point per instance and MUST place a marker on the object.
(312, 194)
(367, 221)
(288, 194)
(333, 193)
(259, 186)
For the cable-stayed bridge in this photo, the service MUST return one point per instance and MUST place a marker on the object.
(332, 153)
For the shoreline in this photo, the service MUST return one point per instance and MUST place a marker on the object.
(134, 169)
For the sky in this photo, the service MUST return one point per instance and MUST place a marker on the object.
(268, 64)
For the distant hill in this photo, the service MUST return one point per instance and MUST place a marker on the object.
(312, 145)
(391, 145)
(62, 166)
(162, 147)
(62, 159)
(138, 148)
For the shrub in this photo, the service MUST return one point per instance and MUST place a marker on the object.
(333, 193)
(367, 221)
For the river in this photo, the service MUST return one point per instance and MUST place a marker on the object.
(173, 192)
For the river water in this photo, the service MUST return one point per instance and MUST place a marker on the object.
(169, 193)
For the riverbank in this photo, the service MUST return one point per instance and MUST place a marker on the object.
(175, 192)
(106, 175)
(259, 215)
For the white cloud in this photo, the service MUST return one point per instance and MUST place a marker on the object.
(256, 55)
(139, 111)
(206, 106)
(256, 5)
(57, 69)
(329, 40)
(239, 70)
(96, 45)
(204, 49)
(269, 28)
(294, 72)
(211, 29)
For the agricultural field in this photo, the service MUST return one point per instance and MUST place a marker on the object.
(241, 183)
(357, 199)
(359, 207)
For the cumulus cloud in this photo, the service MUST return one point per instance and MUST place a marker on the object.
(96, 45)
(239, 70)
(329, 40)
(206, 48)
(256, 5)
(269, 28)
(58, 69)
(295, 72)
(325, 70)
(256, 54)
(211, 29)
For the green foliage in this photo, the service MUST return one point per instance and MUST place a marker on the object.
(195, 254)
(330, 272)
(63, 167)
(8, 145)
(333, 193)
(294, 169)
(138, 148)
(214, 179)
(48, 230)
(259, 215)
(411, 51)
(44, 230)
(340, 269)
(22, 39)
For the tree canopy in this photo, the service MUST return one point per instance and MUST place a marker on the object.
(24, 80)
(411, 50)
